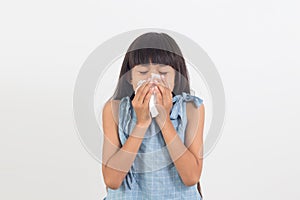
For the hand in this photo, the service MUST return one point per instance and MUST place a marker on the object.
(140, 104)
(164, 102)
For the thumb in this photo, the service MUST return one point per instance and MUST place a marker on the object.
(158, 96)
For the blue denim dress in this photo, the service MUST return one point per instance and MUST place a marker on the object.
(153, 175)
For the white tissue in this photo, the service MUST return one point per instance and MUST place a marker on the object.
(153, 110)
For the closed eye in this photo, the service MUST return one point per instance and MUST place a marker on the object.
(144, 72)
(163, 73)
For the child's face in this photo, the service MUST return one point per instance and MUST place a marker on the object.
(143, 71)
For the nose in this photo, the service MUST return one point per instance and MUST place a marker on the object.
(156, 72)
(149, 75)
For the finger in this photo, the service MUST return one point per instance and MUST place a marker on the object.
(158, 95)
(159, 81)
(148, 96)
(140, 89)
(166, 94)
(161, 88)
(144, 92)
(168, 90)
(165, 81)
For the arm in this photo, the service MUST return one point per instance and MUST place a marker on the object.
(188, 161)
(116, 160)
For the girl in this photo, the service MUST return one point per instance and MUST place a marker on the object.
(147, 157)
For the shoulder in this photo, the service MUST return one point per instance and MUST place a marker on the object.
(187, 97)
(111, 109)
(195, 108)
(110, 105)
(110, 125)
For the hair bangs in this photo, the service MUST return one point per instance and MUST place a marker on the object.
(152, 56)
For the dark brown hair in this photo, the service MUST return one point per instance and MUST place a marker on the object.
(157, 48)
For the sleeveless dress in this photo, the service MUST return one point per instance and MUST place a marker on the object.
(153, 175)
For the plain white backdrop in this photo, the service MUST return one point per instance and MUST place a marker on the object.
(255, 46)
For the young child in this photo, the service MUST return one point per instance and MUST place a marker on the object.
(146, 156)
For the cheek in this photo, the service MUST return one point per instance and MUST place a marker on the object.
(134, 83)
(171, 81)
(134, 80)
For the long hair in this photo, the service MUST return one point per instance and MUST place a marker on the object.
(157, 48)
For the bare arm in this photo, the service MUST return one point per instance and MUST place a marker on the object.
(117, 160)
(188, 161)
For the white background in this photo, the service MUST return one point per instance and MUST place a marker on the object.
(255, 46)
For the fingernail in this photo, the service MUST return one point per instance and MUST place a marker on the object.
(162, 76)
